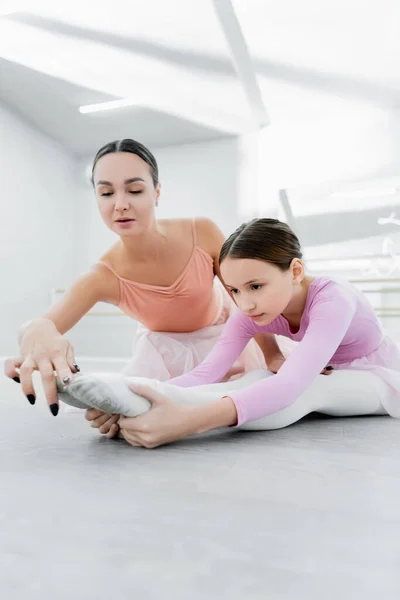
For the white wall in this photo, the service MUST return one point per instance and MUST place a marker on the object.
(36, 226)
(204, 180)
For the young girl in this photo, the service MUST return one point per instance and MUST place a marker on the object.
(333, 323)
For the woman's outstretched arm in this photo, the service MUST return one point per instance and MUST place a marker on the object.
(43, 346)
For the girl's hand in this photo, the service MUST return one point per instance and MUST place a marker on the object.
(165, 422)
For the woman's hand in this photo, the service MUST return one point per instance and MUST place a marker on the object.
(327, 371)
(43, 349)
(105, 423)
(275, 364)
(165, 422)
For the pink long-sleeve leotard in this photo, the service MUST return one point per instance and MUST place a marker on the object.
(338, 325)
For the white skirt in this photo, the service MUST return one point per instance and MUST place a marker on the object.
(164, 355)
(385, 363)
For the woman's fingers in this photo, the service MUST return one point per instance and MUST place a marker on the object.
(102, 421)
(46, 370)
(10, 368)
(93, 413)
(71, 359)
(45, 350)
(62, 368)
(105, 427)
(114, 431)
(25, 375)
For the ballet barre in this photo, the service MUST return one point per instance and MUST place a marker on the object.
(382, 311)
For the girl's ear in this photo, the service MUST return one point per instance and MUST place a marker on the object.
(297, 270)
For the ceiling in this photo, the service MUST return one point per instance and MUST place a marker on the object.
(194, 70)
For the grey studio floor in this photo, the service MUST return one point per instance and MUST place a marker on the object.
(308, 512)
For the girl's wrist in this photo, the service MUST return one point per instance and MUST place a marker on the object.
(221, 413)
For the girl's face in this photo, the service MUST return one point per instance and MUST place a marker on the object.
(260, 289)
(125, 193)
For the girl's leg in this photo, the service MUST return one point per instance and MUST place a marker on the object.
(109, 391)
(344, 393)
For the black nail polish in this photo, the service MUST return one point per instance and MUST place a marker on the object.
(329, 368)
(17, 379)
(76, 367)
(54, 409)
(31, 398)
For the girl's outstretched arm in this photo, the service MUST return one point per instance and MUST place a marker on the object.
(330, 318)
(237, 332)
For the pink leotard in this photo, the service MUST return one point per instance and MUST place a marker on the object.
(338, 325)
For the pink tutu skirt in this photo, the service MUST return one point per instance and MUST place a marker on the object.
(163, 355)
(385, 362)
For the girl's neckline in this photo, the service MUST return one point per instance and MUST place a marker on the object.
(308, 298)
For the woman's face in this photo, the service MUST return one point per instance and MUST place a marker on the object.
(260, 289)
(125, 193)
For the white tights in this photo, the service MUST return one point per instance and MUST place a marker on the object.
(342, 394)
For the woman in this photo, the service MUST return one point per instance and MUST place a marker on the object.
(161, 273)
(333, 323)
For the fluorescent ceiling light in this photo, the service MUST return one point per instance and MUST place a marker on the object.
(110, 105)
(372, 193)
(180, 105)
(189, 95)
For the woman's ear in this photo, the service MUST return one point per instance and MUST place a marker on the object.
(158, 191)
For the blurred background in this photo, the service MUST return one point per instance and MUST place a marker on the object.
(251, 107)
